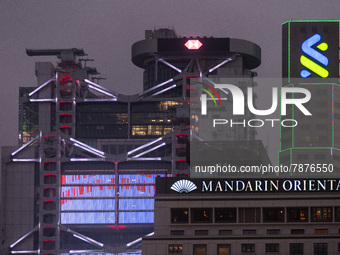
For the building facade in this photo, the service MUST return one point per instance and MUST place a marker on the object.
(82, 180)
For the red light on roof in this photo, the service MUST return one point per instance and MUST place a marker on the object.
(193, 44)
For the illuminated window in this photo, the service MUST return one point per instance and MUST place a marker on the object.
(297, 214)
(225, 215)
(175, 248)
(273, 214)
(179, 215)
(320, 214)
(139, 130)
(223, 249)
(201, 215)
(165, 105)
(200, 249)
(321, 231)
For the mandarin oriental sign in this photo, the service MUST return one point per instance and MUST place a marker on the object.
(228, 186)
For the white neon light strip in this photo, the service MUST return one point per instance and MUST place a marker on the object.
(85, 159)
(85, 251)
(147, 151)
(221, 64)
(157, 86)
(145, 145)
(138, 240)
(41, 86)
(87, 146)
(101, 87)
(88, 240)
(89, 150)
(166, 89)
(25, 160)
(141, 159)
(25, 252)
(23, 237)
(101, 91)
(170, 65)
(42, 100)
(100, 99)
(25, 145)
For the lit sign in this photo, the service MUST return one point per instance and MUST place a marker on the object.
(183, 186)
(307, 48)
(209, 185)
(193, 44)
(310, 50)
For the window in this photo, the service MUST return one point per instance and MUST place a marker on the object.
(223, 249)
(249, 232)
(320, 249)
(201, 232)
(225, 215)
(321, 231)
(225, 232)
(177, 232)
(337, 214)
(273, 231)
(320, 214)
(200, 249)
(250, 215)
(175, 248)
(272, 247)
(245, 248)
(297, 231)
(296, 249)
(179, 215)
(273, 214)
(297, 214)
(201, 215)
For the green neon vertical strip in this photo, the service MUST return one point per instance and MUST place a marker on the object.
(339, 50)
(288, 52)
(291, 160)
(280, 123)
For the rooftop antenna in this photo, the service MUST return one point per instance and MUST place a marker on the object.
(96, 79)
(85, 60)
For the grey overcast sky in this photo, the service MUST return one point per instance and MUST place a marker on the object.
(106, 29)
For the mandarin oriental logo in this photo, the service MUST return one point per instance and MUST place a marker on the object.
(183, 186)
(321, 60)
(193, 44)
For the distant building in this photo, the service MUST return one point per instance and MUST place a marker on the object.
(311, 61)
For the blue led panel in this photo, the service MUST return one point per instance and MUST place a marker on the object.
(88, 179)
(136, 191)
(138, 178)
(87, 218)
(136, 217)
(87, 191)
(87, 204)
(136, 204)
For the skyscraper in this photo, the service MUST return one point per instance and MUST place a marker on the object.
(82, 180)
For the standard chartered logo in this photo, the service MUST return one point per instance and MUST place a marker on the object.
(317, 57)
